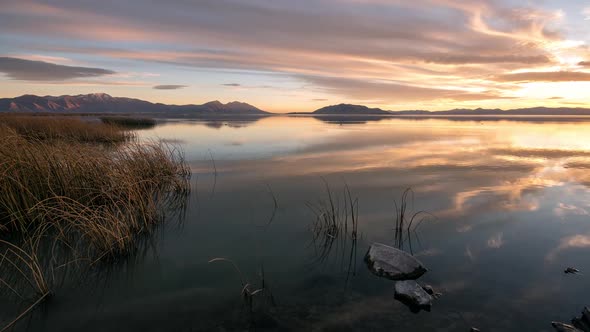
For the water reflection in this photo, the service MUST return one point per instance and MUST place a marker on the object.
(511, 200)
(334, 230)
(499, 189)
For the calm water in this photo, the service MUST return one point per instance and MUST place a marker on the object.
(511, 200)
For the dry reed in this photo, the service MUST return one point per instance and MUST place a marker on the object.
(58, 187)
(45, 128)
(407, 221)
(336, 227)
(129, 122)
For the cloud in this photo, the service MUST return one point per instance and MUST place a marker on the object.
(169, 87)
(563, 209)
(458, 59)
(319, 99)
(584, 63)
(575, 241)
(544, 153)
(496, 241)
(548, 76)
(434, 49)
(28, 70)
(383, 91)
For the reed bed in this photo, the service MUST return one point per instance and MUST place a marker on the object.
(90, 194)
(335, 228)
(66, 189)
(129, 122)
(45, 128)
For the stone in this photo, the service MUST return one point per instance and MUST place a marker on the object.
(394, 264)
(413, 295)
(428, 289)
(571, 270)
(562, 327)
(583, 322)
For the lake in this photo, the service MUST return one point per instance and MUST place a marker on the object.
(510, 204)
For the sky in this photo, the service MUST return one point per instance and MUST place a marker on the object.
(287, 55)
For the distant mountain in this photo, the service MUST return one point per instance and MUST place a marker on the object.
(104, 103)
(518, 111)
(345, 109)
(348, 109)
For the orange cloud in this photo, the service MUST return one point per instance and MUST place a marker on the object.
(551, 76)
(425, 50)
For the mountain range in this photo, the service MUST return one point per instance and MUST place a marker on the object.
(104, 103)
(348, 109)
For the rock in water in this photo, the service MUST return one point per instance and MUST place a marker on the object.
(392, 263)
(428, 289)
(571, 270)
(561, 327)
(412, 294)
(583, 322)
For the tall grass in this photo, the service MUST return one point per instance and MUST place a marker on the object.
(251, 292)
(45, 128)
(335, 215)
(63, 190)
(407, 221)
(129, 122)
(27, 269)
(92, 194)
(336, 227)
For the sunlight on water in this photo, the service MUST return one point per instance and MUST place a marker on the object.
(511, 201)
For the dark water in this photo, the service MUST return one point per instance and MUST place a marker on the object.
(511, 201)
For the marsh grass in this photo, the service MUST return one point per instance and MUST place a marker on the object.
(22, 269)
(214, 174)
(129, 122)
(46, 128)
(335, 228)
(275, 206)
(89, 194)
(407, 221)
(25, 262)
(66, 196)
(255, 296)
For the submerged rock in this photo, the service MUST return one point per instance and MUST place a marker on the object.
(392, 263)
(571, 270)
(428, 289)
(431, 291)
(583, 323)
(562, 327)
(413, 295)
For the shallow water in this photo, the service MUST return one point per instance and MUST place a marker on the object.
(511, 201)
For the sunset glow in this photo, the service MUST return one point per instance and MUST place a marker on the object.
(285, 56)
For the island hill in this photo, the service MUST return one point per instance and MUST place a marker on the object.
(102, 103)
(349, 109)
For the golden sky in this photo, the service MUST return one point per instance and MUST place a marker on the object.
(285, 56)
